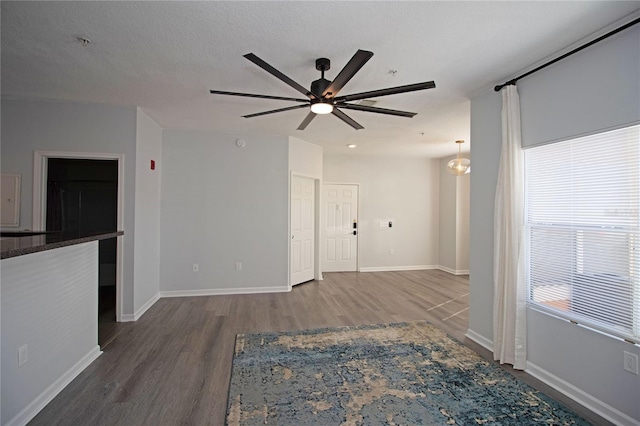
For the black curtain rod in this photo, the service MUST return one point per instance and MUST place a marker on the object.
(584, 46)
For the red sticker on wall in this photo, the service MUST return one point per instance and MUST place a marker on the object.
(153, 165)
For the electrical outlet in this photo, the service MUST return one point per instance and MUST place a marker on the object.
(23, 355)
(238, 266)
(196, 267)
(392, 251)
(630, 362)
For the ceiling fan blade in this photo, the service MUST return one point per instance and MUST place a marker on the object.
(251, 95)
(307, 120)
(275, 110)
(344, 117)
(271, 70)
(389, 91)
(353, 66)
(378, 110)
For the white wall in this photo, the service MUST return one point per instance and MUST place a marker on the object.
(583, 363)
(147, 213)
(305, 159)
(463, 211)
(447, 218)
(49, 303)
(221, 204)
(28, 126)
(486, 134)
(454, 220)
(404, 190)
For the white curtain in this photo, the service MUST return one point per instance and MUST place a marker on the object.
(509, 301)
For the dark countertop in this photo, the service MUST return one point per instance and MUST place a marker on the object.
(19, 246)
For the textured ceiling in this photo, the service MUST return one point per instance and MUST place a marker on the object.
(165, 56)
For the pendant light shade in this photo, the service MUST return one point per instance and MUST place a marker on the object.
(460, 165)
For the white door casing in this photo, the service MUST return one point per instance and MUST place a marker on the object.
(302, 229)
(340, 227)
(39, 203)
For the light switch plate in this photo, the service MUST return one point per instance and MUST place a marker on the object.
(630, 362)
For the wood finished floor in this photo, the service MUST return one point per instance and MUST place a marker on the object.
(172, 367)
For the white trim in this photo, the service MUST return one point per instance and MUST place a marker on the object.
(144, 308)
(224, 291)
(479, 339)
(454, 271)
(39, 205)
(40, 175)
(39, 402)
(317, 186)
(127, 318)
(397, 268)
(342, 183)
(589, 401)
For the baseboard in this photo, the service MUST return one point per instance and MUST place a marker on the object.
(206, 292)
(601, 408)
(30, 411)
(146, 306)
(396, 268)
(127, 317)
(224, 291)
(480, 339)
(454, 271)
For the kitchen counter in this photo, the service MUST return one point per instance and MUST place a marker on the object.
(13, 246)
(49, 304)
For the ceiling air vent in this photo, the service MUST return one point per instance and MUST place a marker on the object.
(367, 102)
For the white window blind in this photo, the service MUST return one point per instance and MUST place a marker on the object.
(582, 227)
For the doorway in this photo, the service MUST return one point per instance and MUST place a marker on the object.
(303, 229)
(340, 225)
(82, 196)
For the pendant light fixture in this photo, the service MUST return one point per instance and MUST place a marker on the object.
(459, 166)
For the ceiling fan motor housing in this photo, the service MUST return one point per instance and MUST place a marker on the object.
(318, 86)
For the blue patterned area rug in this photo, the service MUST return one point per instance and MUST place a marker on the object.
(395, 374)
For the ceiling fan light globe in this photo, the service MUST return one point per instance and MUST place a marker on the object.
(321, 108)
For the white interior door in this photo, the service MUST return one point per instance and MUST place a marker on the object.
(302, 229)
(340, 228)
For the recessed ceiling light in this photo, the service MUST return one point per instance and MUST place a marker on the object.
(351, 146)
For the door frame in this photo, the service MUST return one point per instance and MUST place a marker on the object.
(317, 273)
(39, 206)
(357, 219)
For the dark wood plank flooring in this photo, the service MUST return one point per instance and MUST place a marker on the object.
(108, 328)
(173, 366)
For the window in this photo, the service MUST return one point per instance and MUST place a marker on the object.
(582, 229)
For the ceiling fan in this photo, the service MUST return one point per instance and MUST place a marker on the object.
(323, 99)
